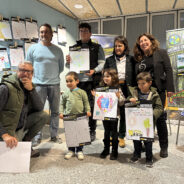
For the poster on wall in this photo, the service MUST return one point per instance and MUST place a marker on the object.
(32, 29)
(16, 56)
(139, 123)
(106, 41)
(5, 31)
(4, 61)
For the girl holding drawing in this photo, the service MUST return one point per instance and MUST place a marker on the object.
(110, 79)
(74, 102)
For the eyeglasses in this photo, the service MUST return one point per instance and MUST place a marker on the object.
(25, 71)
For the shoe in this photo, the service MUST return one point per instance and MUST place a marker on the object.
(80, 155)
(121, 142)
(149, 163)
(163, 152)
(69, 155)
(134, 159)
(35, 153)
(56, 140)
(104, 153)
(114, 155)
(93, 135)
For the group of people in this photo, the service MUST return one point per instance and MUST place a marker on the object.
(146, 75)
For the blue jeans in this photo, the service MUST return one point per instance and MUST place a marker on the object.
(52, 93)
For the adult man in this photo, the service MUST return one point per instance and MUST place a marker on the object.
(89, 81)
(48, 63)
(21, 115)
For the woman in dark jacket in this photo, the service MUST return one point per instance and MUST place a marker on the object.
(125, 66)
(152, 59)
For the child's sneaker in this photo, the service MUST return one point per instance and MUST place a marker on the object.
(80, 155)
(69, 155)
(134, 159)
(149, 163)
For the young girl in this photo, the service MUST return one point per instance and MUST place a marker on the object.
(74, 102)
(110, 79)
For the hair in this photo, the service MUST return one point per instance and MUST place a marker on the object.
(114, 76)
(146, 76)
(124, 41)
(48, 26)
(74, 74)
(138, 53)
(25, 63)
(85, 25)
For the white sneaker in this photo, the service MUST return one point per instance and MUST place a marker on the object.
(80, 155)
(69, 155)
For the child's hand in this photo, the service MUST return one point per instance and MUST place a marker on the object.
(93, 92)
(88, 114)
(118, 94)
(61, 116)
(133, 100)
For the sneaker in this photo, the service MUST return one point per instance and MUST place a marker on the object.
(149, 163)
(104, 153)
(163, 152)
(93, 135)
(121, 142)
(134, 159)
(69, 155)
(56, 140)
(35, 153)
(80, 155)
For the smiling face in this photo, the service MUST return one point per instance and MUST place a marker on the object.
(119, 48)
(145, 44)
(71, 82)
(107, 79)
(45, 35)
(144, 86)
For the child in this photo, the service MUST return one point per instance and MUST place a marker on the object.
(146, 92)
(110, 79)
(74, 102)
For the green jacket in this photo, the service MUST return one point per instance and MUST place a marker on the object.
(154, 97)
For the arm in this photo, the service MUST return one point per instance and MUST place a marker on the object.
(61, 62)
(86, 103)
(29, 55)
(121, 97)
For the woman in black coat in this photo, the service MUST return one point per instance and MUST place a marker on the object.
(152, 59)
(124, 64)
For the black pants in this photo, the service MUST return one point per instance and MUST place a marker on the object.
(138, 147)
(110, 128)
(162, 126)
(88, 86)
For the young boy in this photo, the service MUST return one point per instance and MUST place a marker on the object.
(73, 102)
(146, 92)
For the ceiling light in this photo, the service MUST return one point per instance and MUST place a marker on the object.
(78, 6)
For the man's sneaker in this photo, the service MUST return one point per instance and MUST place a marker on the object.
(149, 163)
(56, 140)
(134, 159)
(35, 153)
(80, 155)
(69, 155)
(93, 135)
(121, 142)
(163, 153)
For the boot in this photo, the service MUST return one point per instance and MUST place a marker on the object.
(114, 154)
(105, 152)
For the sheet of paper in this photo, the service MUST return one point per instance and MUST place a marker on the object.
(105, 105)
(19, 29)
(16, 56)
(4, 61)
(27, 45)
(55, 38)
(15, 160)
(79, 60)
(139, 123)
(61, 35)
(31, 29)
(5, 31)
(76, 132)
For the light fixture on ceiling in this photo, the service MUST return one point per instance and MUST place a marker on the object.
(78, 6)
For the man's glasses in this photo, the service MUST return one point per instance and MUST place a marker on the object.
(25, 71)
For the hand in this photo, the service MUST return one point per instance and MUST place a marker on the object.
(88, 114)
(27, 83)
(133, 100)
(68, 59)
(90, 73)
(118, 94)
(61, 116)
(93, 92)
(9, 140)
(169, 94)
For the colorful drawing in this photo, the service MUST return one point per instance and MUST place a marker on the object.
(147, 126)
(105, 105)
(4, 61)
(5, 32)
(174, 39)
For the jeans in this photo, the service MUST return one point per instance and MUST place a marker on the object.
(52, 93)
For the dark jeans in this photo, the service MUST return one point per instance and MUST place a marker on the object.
(138, 146)
(75, 149)
(88, 86)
